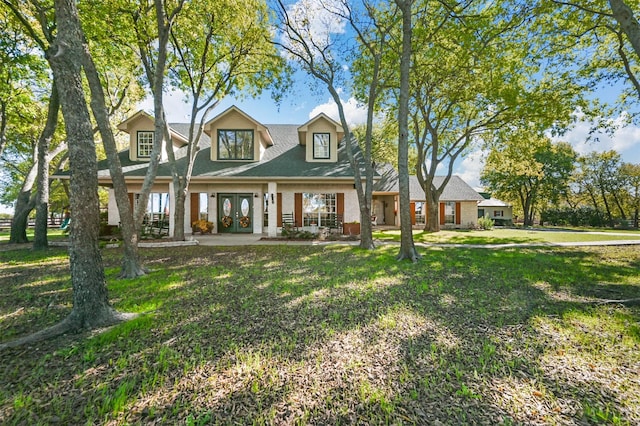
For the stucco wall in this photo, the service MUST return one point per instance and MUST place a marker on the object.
(468, 213)
(321, 125)
(234, 120)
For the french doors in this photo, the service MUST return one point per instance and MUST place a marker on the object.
(235, 213)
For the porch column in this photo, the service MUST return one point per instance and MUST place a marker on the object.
(272, 210)
(212, 209)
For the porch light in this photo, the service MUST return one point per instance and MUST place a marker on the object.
(255, 195)
(213, 195)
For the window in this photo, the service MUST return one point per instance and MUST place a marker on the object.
(235, 144)
(480, 212)
(321, 145)
(318, 208)
(450, 212)
(145, 144)
(498, 213)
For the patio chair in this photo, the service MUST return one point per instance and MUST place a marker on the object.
(289, 222)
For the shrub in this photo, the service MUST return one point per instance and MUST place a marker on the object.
(203, 226)
(485, 223)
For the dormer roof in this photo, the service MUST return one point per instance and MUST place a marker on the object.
(302, 130)
(261, 127)
(177, 138)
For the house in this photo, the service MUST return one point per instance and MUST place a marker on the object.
(458, 204)
(498, 211)
(247, 176)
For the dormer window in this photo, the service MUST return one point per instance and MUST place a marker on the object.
(145, 144)
(321, 144)
(235, 145)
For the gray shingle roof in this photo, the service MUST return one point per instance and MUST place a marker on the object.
(286, 158)
(456, 189)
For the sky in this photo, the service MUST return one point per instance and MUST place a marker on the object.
(307, 99)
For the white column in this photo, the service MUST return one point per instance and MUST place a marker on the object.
(272, 189)
(212, 210)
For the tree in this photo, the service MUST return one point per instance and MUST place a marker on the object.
(153, 31)
(91, 306)
(407, 246)
(600, 39)
(631, 174)
(600, 176)
(21, 63)
(470, 78)
(40, 241)
(131, 264)
(217, 48)
(527, 169)
(322, 57)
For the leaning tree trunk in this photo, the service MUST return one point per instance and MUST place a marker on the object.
(24, 205)
(131, 264)
(40, 241)
(91, 306)
(407, 247)
(606, 206)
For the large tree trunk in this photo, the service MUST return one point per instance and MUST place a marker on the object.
(24, 205)
(40, 241)
(407, 247)
(178, 230)
(91, 306)
(606, 205)
(616, 199)
(432, 224)
(131, 263)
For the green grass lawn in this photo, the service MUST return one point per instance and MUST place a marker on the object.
(331, 335)
(509, 236)
(53, 234)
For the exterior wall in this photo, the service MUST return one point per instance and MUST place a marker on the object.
(468, 213)
(507, 212)
(322, 126)
(351, 206)
(234, 120)
(141, 124)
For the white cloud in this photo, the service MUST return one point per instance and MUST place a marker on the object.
(625, 139)
(470, 167)
(317, 17)
(176, 109)
(354, 112)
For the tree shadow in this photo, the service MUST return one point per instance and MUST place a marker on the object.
(337, 335)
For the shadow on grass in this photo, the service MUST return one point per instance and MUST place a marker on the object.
(324, 335)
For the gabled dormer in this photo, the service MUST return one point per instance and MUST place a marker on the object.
(140, 127)
(321, 136)
(235, 136)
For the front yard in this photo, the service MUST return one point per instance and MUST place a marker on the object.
(510, 236)
(331, 335)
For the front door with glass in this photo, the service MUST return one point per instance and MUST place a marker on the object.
(235, 213)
